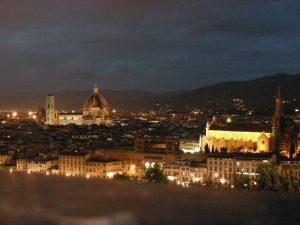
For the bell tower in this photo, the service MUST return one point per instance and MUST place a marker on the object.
(50, 110)
(277, 123)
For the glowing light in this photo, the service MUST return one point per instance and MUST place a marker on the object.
(216, 175)
(8, 116)
(11, 170)
(114, 111)
(34, 117)
(171, 178)
(147, 165)
(47, 173)
(222, 181)
(88, 176)
(30, 113)
(110, 175)
(14, 114)
(29, 172)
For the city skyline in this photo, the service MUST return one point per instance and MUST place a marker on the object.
(149, 112)
(122, 45)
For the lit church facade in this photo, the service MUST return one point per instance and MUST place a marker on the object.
(277, 138)
(95, 111)
(242, 139)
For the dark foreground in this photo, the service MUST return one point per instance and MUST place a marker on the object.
(38, 199)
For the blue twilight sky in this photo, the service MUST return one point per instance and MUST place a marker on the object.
(154, 45)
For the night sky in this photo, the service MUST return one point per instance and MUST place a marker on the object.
(155, 45)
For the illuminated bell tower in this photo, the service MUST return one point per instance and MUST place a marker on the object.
(50, 110)
(277, 123)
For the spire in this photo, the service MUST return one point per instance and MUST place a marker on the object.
(278, 109)
(279, 92)
(96, 90)
(277, 123)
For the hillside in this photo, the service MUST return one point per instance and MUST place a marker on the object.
(257, 93)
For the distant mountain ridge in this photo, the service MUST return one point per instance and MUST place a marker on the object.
(257, 93)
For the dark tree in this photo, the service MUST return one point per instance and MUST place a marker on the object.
(121, 176)
(206, 149)
(292, 149)
(155, 175)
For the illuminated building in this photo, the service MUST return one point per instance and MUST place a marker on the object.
(189, 145)
(223, 167)
(95, 111)
(5, 158)
(88, 165)
(170, 145)
(290, 167)
(236, 138)
(21, 164)
(50, 110)
(41, 166)
(255, 139)
(135, 162)
(185, 171)
(99, 167)
(36, 166)
(284, 131)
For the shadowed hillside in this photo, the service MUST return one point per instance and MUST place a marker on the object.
(257, 93)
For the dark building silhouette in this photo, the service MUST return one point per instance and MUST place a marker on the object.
(284, 130)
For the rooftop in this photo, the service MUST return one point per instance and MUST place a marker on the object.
(103, 160)
(241, 128)
(74, 153)
(241, 155)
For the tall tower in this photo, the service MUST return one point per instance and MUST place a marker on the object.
(50, 110)
(277, 123)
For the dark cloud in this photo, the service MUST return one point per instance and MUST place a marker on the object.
(178, 44)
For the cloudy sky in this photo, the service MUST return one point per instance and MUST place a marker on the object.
(154, 45)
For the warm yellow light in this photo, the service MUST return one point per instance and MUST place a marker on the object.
(30, 113)
(34, 117)
(222, 181)
(14, 114)
(114, 111)
(11, 170)
(88, 176)
(29, 172)
(110, 175)
(8, 116)
(47, 173)
(171, 178)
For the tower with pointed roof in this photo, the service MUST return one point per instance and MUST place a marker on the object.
(277, 123)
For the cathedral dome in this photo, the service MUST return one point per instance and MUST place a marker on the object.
(95, 100)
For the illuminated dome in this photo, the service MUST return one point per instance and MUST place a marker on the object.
(95, 100)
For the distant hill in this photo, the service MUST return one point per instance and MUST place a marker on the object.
(257, 93)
